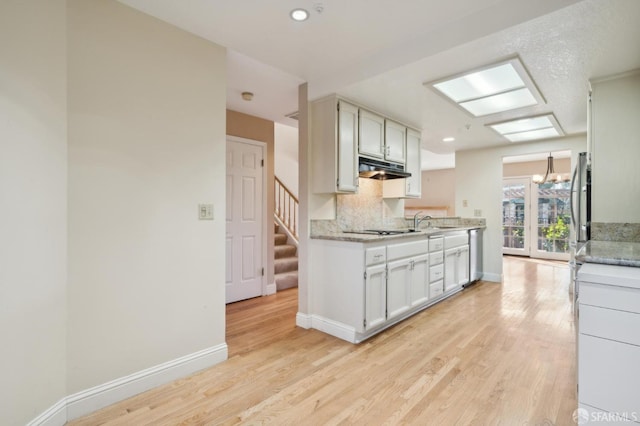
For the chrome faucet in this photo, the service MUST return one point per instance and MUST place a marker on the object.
(416, 221)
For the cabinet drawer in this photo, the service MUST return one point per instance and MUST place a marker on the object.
(375, 255)
(609, 296)
(608, 374)
(436, 258)
(609, 324)
(436, 244)
(436, 289)
(456, 240)
(413, 248)
(436, 273)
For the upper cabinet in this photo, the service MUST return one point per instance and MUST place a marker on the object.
(382, 139)
(334, 152)
(342, 131)
(395, 136)
(410, 187)
(371, 143)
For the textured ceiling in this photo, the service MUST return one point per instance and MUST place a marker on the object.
(379, 55)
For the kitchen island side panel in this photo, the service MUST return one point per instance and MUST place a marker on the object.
(337, 281)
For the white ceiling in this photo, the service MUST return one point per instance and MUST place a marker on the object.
(379, 55)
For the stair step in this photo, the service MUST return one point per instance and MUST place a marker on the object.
(286, 280)
(280, 239)
(285, 250)
(287, 264)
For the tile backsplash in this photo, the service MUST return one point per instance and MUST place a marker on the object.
(367, 209)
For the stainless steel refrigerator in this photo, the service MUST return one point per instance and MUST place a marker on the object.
(580, 211)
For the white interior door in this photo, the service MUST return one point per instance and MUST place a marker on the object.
(245, 220)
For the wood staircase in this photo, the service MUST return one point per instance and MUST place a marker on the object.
(286, 261)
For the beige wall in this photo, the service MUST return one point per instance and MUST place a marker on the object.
(530, 168)
(259, 129)
(438, 190)
(616, 150)
(146, 145)
(33, 207)
(479, 183)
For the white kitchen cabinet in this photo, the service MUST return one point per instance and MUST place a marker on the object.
(410, 187)
(334, 146)
(456, 261)
(407, 284)
(395, 138)
(361, 288)
(608, 339)
(398, 287)
(413, 165)
(436, 267)
(419, 280)
(375, 296)
(371, 131)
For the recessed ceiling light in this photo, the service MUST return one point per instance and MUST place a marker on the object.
(530, 128)
(449, 139)
(299, 15)
(495, 88)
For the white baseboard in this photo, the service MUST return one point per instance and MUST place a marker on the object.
(496, 278)
(334, 328)
(95, 398)
(56, 415)
(271, 289)
(303, 320)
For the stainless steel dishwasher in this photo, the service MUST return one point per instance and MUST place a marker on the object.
(475, 255)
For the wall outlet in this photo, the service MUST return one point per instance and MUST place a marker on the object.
(477, 213)
(205, 211)
(465, 203)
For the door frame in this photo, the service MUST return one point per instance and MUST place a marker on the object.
(526, 251)
(531, 226)
(263, 237)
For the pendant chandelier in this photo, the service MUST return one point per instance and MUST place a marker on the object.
(550, 175)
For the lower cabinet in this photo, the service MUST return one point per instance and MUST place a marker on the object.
(609, 341)
(398, 287)
(456, 261)
(361, 288)
(375, 290)
(407, 284)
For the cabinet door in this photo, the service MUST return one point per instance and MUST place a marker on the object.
(347, 147)
(395, 136)
(450, 265)
(398, 287)
(420, 280)
(371, 141)
(375, 290)
(413, 165)
(462, 266)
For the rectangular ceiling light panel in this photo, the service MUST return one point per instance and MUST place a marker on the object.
(530, 128)
(498, 103)
(495, 88)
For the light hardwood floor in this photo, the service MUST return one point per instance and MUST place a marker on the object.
(493, 354)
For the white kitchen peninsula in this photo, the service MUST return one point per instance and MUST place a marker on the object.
(363, 284)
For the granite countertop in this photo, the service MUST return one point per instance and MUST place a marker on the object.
(365, 238)
(610, 253)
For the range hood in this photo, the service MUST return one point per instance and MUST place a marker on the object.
(376, 169)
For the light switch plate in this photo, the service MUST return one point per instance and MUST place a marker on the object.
(205, 211)
(465, 203)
